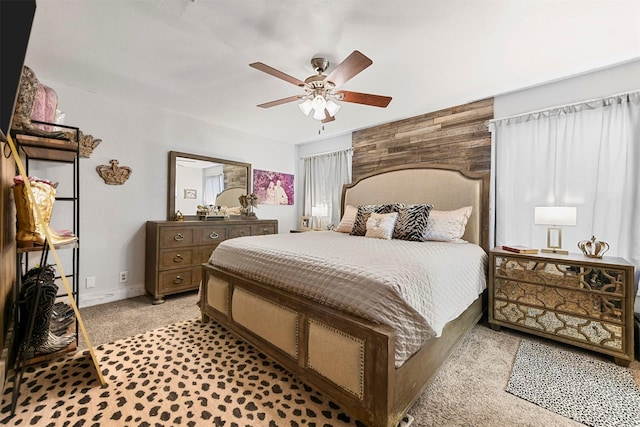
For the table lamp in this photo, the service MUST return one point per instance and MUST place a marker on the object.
(555, 216)
(319, 212)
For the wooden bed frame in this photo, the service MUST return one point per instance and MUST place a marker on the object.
(303, 336)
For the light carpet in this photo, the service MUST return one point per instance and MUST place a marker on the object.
(593, 392)
(468, 390)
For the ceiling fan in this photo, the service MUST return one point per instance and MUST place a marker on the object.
(321, 91)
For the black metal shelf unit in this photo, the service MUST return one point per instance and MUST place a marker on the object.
(60, 151)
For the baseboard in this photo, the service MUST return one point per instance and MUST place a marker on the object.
(117, 295)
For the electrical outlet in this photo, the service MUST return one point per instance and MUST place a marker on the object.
(124, 277)
(90, 282)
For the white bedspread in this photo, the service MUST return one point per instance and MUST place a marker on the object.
(414, 287)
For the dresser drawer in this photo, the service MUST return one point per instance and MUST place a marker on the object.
(578, 329)
(239, 231)
(186, 278)
(597, 305)
(259, 230)
(567, 275)
(175, 251)
(176, 258)
(173, 237)
(210, 235)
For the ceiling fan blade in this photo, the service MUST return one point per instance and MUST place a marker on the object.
(364, 98)
(328, 118)
(276, 73)
(280, 101)
(347, 69)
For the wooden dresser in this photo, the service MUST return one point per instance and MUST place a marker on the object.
(176, 250)
(587, 302)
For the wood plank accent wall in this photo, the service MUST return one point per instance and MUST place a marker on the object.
(457, 135)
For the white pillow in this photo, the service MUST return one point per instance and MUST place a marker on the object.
(380, 226)
(349, 217)
(447, 226)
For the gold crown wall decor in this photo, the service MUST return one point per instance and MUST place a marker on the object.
(87, 144)
(114, 174)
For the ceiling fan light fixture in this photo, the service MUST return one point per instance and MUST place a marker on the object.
(319, 103)
(306, 107)
(322, 91)
(319, 114)
(332, 107)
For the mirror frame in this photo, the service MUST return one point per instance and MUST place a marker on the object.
(171, 205)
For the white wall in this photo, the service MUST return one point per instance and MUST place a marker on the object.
(112, 218)
(190, 178)
(610, 81)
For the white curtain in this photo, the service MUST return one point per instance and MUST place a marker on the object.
(585, 155)
(213, 185)
(324, 176)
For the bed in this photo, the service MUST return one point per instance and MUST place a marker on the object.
(371, 356)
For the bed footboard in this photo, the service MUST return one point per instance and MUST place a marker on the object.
(345, 358)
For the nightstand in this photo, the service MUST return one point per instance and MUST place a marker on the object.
(587, 302)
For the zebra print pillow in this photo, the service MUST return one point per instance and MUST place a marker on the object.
(412, 223)
(360, 224)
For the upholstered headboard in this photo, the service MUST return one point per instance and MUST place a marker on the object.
(444, 187)
(229, 197)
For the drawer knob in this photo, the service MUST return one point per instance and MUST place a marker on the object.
(178, 258)
(178, 280)
(214, 235)
(178, 237)
(266, 231)
(241, 233)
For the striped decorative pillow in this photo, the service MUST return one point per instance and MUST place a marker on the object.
(360, 224)
(412, 223)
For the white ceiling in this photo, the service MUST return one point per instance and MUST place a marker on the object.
(192, 56)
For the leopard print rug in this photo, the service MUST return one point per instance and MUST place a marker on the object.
(188, 374)
(574, 385)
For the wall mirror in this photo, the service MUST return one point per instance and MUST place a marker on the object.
(200, 180)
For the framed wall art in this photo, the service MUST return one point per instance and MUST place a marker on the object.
(273, 188)
(190, 193)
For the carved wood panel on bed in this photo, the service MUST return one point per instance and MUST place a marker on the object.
(349, 358)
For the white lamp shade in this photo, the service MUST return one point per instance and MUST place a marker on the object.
(319, 114)
(319, 104)
(555, 215)
(305, 107)
(332, 107)
(320, 211)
